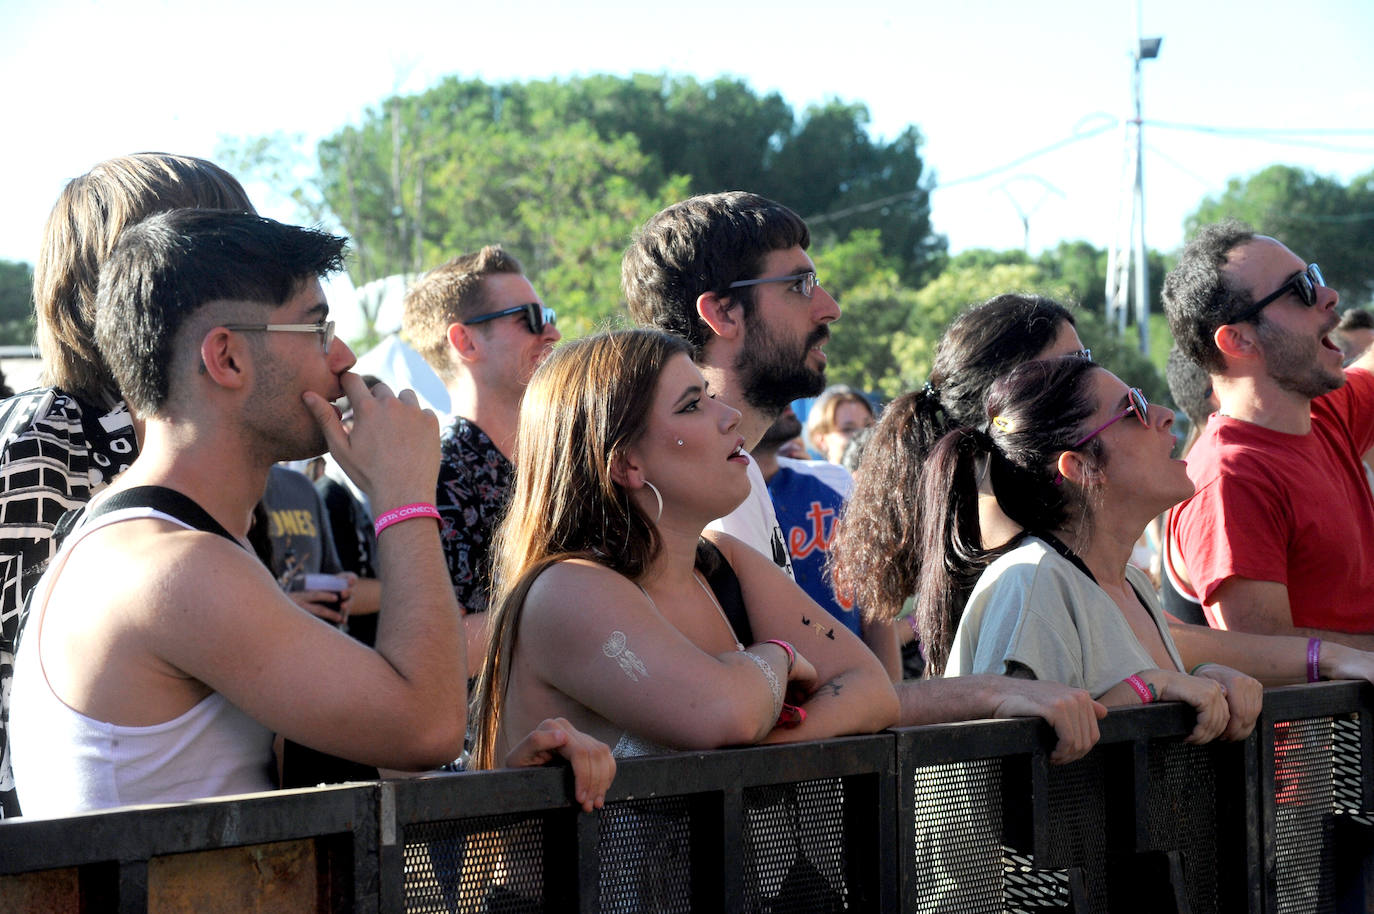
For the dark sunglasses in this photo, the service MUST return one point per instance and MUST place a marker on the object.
(1135, 404)
(537, 317)
(1304, 283)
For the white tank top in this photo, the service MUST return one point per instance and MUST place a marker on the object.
(66, 763)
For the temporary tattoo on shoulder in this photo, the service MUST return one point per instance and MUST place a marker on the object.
(828, 632)
(630, 664)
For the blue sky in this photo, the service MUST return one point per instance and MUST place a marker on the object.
(986, 82)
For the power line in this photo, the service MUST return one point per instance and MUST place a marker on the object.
(1271, 131)
(967, 179)
(1281, 136)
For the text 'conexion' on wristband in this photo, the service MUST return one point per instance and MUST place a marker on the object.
(405, 512)
(1142, 688)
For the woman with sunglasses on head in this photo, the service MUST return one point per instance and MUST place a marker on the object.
(1081, 464)
(610, 607)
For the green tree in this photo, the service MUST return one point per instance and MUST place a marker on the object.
(422, 178)
(980, 278)
(563, 170)
(874, 305)
(1317, 217)
(16, 303)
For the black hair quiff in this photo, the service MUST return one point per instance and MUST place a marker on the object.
(165, 268)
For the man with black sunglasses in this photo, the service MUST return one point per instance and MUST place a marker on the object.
(1279, 537)
(481, 326)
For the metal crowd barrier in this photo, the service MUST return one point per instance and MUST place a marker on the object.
(960, 818)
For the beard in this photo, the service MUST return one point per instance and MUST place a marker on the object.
(1293, 363)
(773, 372)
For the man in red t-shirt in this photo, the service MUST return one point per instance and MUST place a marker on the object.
(1279, 537)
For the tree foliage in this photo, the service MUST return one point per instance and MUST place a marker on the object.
(1317, 217)
(563, 171)
(16, 303)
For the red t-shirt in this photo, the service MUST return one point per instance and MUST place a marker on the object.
(1294, 509)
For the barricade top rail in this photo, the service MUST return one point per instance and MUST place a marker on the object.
(142, 832)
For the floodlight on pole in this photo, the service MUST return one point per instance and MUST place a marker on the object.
(1129, 243)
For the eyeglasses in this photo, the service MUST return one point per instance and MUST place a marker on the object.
(1135, 403)
(1304, 283)
(325, 329)
(807, 282)
(537, 317)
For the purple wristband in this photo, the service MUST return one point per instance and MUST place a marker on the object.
(1314, 654)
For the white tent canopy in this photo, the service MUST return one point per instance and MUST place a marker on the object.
(400, 366)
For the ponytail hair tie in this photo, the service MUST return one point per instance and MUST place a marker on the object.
(930, 391)
(1002, 423)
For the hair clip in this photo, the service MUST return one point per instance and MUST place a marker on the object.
(1002, 422)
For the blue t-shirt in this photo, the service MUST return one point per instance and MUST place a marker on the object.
(807, 509)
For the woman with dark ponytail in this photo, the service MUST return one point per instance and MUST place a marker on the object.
(1080, 464)
(876, 553)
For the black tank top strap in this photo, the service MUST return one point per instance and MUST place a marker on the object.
(160, 498)
(721, 578)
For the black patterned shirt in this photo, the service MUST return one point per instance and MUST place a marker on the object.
(56, 452)
(475, 481)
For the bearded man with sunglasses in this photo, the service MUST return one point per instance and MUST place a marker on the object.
(1279, 537)
(481, 326)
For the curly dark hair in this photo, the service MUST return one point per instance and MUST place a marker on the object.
(1198, 298)
(875, 555)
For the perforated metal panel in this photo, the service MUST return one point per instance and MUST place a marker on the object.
(794, 847)
(958, 837)
(486, 865)
(645, 855)
(1077, 814)
(1303, 803)
(1346, 777)
(1028, 890)
(1182, 811)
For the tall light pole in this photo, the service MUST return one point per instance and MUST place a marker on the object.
(1129, 244)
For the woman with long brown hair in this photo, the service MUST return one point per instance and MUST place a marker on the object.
(612, 609)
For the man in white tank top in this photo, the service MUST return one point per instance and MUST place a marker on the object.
(159, 657)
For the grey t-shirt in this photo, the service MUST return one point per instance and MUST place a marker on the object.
(1033, 607)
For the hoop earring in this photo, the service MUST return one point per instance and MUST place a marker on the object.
(653, 488)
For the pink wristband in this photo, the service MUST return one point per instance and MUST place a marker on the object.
(1142, 688)
(1314, 656)
(405, 512)
(791, 651)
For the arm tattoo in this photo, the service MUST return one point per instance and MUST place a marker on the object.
(828, 632)
(629, 663)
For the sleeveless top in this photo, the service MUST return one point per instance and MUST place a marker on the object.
(67, 763)
(724, 587)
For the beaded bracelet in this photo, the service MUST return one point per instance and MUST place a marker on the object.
(773, 681)
(1142, 688)
(1314, 655)
(790, 651)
